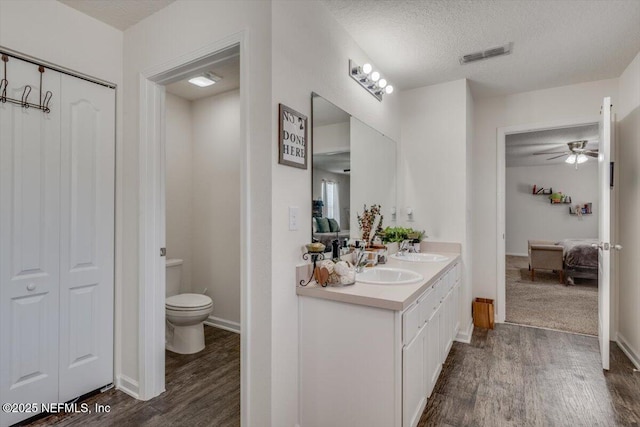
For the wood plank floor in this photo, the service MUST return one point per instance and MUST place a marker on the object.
(202, 390)
(521, 376)
(511, 376)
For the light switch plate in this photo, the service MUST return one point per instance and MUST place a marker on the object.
(294, 212)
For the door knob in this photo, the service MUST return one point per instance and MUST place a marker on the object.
(597, 246)
(617, 247)
(31, 286)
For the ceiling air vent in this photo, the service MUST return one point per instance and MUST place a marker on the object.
(489, 53)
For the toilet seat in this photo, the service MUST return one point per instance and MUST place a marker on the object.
(188, 302)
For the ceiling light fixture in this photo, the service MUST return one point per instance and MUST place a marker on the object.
(207, 79)
(371, 80)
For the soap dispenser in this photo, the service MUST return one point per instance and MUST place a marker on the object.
(335, 245)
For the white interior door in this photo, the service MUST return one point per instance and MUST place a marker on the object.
(86, 237)
(29, 242)
(604, 232)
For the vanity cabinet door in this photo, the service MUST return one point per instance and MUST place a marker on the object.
(414, 394)
(433, 348)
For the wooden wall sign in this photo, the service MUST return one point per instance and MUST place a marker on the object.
(293, 138)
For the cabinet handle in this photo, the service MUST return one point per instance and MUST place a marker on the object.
(31, 287)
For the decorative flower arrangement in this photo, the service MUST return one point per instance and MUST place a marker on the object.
(365, 221)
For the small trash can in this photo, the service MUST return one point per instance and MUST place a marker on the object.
(483, 313)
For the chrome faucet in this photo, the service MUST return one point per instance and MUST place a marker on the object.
(360, 257)
(406, 246)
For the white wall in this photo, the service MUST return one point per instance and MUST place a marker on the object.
(550, 105)
(216, 202)
(330, 138)
(179, 193)
(373, 173)
(628, 139)
(49, 30)
(433, 172)
(533, 217)
(310, 54)
(179, 29)
(344, 189)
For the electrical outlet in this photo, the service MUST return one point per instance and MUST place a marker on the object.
(293, 218)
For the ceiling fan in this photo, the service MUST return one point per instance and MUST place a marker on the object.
(577, 153)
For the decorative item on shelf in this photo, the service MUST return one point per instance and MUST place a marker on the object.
(556, 197)
(539, 191)
(367, 219)
(315, 253)
(579, 210)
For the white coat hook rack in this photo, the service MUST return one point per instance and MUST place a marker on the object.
(24, 101)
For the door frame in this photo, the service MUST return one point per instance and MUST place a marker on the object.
(151, 326)
(501, 136)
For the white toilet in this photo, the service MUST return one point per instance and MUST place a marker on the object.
(185, 313)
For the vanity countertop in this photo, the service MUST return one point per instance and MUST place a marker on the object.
(391, 297)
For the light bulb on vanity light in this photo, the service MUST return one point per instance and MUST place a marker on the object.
(375, 76)
(366, 68)
(389, 89)
(382, 83)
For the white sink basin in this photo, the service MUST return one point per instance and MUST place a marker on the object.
(388, 276)
(420, 257)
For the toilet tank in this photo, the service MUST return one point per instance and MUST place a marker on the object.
(174, 276)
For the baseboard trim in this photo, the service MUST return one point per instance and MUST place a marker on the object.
(512, 254)
(128, 385)
(465, 335)
(626, 348)
(225, 324)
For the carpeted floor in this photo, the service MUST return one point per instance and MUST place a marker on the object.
(548, 304)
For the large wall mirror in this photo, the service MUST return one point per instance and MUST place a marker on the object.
(353, 165)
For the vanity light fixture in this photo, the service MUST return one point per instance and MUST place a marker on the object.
(371, 80)
(207, 79)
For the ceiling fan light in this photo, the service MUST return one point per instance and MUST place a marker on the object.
(582, 158)
(571, 159)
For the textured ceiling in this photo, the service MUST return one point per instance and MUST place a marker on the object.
(120, 14)
(417, 43)
(520, 148)
(229, 70)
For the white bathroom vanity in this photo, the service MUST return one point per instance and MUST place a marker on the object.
(370, 354)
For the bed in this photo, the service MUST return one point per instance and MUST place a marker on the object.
(580, 258)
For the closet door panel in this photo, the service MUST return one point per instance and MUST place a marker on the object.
(87, 237)
(29, 243)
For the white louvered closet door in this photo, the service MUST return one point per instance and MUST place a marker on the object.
(86, 236)
(29, 243)
(57, 240)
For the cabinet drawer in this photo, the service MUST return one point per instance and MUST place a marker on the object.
(410, 323)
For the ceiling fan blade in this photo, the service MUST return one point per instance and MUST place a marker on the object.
(555, 157)
(550, 152)
(590, 154)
